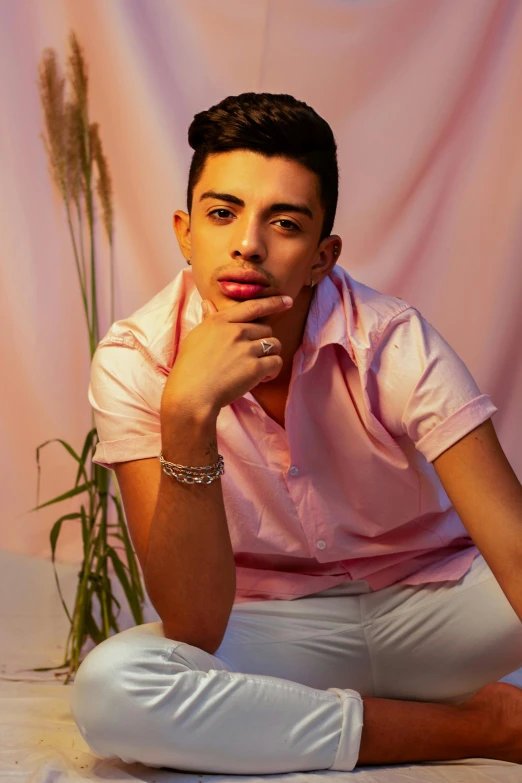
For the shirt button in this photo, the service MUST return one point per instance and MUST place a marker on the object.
(321, 544)
(294, 471)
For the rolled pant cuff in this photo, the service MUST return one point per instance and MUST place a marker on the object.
(351, 729)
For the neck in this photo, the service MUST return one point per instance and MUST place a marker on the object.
(289, 331)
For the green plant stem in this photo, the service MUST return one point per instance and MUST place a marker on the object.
(94, 312)
(90, 218)
(111, 262)
(82, 249)
(82, 286)
(77, 633)
(102, 561)
(93, 578)
(79, 618)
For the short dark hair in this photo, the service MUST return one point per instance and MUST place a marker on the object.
(273, 125)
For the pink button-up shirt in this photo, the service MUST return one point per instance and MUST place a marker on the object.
(348, 490)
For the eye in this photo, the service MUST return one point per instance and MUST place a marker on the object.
(222, 209)
(294, 227)
(214, 217)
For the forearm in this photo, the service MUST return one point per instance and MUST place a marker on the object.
(509, 576)
(487, 497)
(189, 569)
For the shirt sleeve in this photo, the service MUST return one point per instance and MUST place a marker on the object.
(422, 387)
(125, 393)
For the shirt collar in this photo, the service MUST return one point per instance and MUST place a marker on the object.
(331, 317)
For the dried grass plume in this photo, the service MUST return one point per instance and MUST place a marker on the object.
(104, 185)
(51, 85)
(73, 144)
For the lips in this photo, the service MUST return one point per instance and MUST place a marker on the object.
(237, 290)
(246, 277)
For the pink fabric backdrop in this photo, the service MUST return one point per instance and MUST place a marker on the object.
(425, 100)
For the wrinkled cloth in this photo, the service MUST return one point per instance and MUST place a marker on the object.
(283, 692)
(347, 490)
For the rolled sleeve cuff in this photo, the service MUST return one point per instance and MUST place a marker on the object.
(457, 425)
(351, 729)
(108, 453)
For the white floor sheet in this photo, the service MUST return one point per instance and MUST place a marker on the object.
(39, 741)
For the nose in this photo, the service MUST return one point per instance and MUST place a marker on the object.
(248, 241)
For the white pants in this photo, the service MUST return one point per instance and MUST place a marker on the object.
(283, 691)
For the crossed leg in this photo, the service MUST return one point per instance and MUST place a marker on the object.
(323, 682)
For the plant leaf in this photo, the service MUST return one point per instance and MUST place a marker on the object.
(131, 559)
(65, 496)
(91, 628)
(129, 593)
(102, 588)
(64, 444)
(41, 446)
(55, 531)
(83, 458)
(50, 668)
(112, 620)
(85, 532)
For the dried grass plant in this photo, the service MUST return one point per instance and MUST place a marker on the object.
(75, 154)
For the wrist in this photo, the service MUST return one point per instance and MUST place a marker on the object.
(188, 433)
(187, 411)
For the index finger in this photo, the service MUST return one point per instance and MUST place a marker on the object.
(250, 309)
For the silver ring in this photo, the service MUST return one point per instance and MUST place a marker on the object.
(266, 346)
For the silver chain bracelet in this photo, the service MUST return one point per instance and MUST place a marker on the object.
(189, 475)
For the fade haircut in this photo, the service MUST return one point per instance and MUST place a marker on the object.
(273, 125)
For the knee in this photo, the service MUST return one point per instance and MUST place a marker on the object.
(95, 690)
(104, 696)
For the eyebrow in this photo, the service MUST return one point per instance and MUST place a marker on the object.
(280, 207)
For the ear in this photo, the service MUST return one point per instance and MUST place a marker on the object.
(181, 221)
